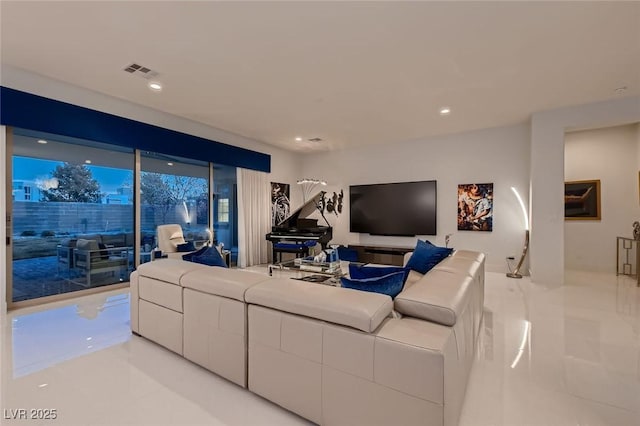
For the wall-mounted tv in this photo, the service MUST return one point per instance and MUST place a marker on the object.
(400, 209)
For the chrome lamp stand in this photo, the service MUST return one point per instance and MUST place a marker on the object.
(516, 272)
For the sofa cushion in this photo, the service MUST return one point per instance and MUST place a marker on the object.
(231, 283)
(68, 242)
(358, 309)
(113, 240)
(87, 249)
(168, 270)
(440, 297)
(426, 256)
(390, 284)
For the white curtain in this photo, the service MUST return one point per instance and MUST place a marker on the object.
(254, 217)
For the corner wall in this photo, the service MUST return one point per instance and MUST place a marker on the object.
(547, 177)
(610, 155)
(499, 155)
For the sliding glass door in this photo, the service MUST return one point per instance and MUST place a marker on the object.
(72, 215)
(173, 191)
(72, 210)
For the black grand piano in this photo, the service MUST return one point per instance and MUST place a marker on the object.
(297, 233)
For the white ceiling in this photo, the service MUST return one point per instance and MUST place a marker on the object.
(351, 73)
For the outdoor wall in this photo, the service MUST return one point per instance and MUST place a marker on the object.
(610, 155)
(499, 156)
(80, 218)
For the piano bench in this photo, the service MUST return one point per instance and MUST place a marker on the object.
(299, 249)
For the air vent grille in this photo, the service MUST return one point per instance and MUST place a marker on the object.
(141, 71)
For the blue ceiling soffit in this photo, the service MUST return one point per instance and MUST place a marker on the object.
(28, 111)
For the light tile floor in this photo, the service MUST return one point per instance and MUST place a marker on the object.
(548, 356)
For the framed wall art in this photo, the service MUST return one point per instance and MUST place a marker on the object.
(475, 207)
(280, 204)
(582, 200)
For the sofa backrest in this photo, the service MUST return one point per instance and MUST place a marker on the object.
(358, 309)
(443, 294)
(169, 237)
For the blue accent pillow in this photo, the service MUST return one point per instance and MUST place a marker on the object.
(188, 246)
(348, 254)
(189, 256)
(426, 256)
(390, 284)
(360, 272)
(210, 257)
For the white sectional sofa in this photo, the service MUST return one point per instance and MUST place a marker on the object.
(333, 355)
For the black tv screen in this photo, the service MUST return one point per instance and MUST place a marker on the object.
(401, 209)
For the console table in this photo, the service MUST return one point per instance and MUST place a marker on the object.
(386, 255)
(628, 257)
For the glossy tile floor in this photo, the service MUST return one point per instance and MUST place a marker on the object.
(548, 356)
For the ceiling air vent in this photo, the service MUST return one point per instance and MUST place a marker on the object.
(141, 71)
(315, 140)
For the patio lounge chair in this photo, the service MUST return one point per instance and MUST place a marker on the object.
(89, 259)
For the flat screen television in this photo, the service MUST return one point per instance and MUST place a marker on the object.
(399, 209)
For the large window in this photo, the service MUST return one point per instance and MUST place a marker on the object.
(73, 205)
(173, 191)
(66, 236)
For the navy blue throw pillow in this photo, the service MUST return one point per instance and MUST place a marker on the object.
(188, 246)
(104, 253)
(426, 256)
(210, 257)
(390, 284)
(189, 256)
(360, 272)
(348, 254)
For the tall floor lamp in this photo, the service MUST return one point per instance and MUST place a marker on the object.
(516, 272)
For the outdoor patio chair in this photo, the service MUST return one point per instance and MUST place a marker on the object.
(90, 259)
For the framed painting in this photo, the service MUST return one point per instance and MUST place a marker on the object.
(279, 202)
(582, 200)
(475, 207)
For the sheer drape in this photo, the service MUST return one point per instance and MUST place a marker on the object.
(254, 217)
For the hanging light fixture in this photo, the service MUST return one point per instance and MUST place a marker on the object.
(308, 185)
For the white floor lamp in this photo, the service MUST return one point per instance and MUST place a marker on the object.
(308, 185)
(516, 272)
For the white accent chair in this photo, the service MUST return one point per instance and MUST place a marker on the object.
(169, 237)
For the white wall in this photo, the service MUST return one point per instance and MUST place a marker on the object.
(499, 155)
(547, 177)
(610, 155)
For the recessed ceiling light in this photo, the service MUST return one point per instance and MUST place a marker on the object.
(155, 86)
(42, 141)
(87, 161)
(445, 111)
(169, 164)
(299, 139)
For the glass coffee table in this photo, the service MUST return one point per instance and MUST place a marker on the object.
(308, 270)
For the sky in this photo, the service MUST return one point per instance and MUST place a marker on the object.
(31, 169)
